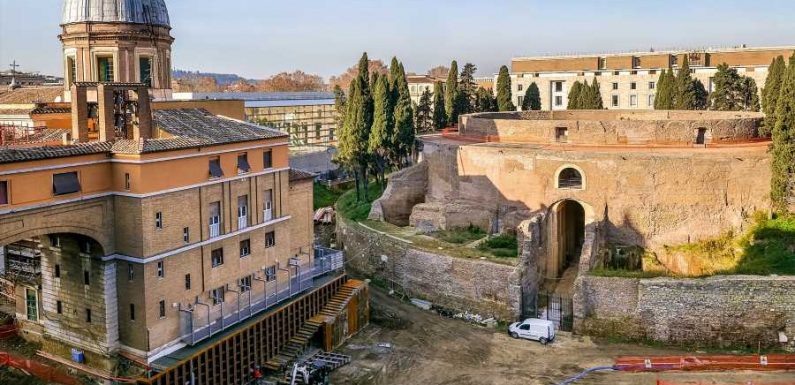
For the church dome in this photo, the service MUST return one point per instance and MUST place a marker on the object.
(116, 11)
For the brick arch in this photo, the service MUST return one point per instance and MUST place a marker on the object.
(94, 234)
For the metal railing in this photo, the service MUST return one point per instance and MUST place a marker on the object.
(201, 320)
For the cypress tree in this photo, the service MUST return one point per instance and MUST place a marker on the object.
(664, 99)
(467, 88)
(339, 106)
(423, 111)
(381, 132)
(403, 134)
(701, 95)
(574, 96)
(783, 147)
(486, 101)
(532, 98)
(771, 92)
(684, 92)
(504, 99)
(596, 96)
(354, 139)
(584, 97)
(439, 114)
(451, 96)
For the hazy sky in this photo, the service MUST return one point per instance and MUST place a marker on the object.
(257, 38)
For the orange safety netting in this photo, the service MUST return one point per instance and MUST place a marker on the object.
(698, 363)
(37, 369)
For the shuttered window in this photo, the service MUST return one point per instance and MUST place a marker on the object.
(3, 192)
(215, 168)
(65, 183)
(242, 163)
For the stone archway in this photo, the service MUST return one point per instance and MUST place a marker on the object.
(566, 224)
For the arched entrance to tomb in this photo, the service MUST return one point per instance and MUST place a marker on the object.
(566, 224)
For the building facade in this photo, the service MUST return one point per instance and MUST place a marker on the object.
(628, 80)
(418, 84)
(309, 118)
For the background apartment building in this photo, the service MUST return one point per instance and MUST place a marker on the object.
(308, 117)
(629, 80)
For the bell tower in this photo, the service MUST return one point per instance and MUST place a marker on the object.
(111, 41)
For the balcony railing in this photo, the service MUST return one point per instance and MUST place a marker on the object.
(215, 230)
(202, 321)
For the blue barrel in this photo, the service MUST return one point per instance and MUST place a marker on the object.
(78, 356)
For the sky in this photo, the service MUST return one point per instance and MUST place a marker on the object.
(259, 38)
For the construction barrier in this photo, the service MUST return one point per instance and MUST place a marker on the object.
(37, 369)
(704, 363)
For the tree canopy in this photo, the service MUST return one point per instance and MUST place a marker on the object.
(733, 92)
(504, 98)
(771, 92)
(439, 114)
(783, 148)
(532, 98)
(452, 103)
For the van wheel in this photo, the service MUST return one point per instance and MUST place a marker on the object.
(514, 335)
(543, 341)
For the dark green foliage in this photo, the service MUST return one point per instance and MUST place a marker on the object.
(505, 246)
(595, 99)
(574, 96)
(771, 92)
(783, 148)
(771, 251)
(467, 89)
(733, 92)
(357, 209)
(664, 98)
(339, 105)
(354, 137)
(504, 98)
(424, 112)
(486, 102)
(381, 132)
(532, 98)
(439, 114)
(403, 135)
(452, 101)
(324, 196)
(460, 235)
(702, 96)
(684, 89)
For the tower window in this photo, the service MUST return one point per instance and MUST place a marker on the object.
(145, 70)
(86, 278)
(161, 269)
(132, 312)
(186, 234)
(105, 69)
(159, 220)
(71, 67)
(267, 159)
(187, 281)
(59, 307)
(57, 272)
(162, 306)
(570, 178)
(130, 272)
(127, 181)
(88, 315)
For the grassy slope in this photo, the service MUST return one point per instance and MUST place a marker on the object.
(350, 208)
(324, 196)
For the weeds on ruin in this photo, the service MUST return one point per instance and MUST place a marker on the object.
(459, 235)
(504, 246)
(348, 207)
(325, 196)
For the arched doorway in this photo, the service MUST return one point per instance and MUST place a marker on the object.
(566, 235)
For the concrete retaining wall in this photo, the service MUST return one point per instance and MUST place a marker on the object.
(721, 310)
(478, 286)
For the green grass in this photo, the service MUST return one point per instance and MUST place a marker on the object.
(325, 196)
(348, 207)
(459, 235)
(504, 246)
(768, 248)
(622, 273)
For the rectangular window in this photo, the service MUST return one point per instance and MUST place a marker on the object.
(245, 284)
(59, 307)
(318, 127)
(242, 164)
(3, 192)
(105, 69)
(242, 212)
(145, 70)
(186, 234)
(31, 305)
(215, 168)
(161, 269)
(633, 100)
(130, 272)
(217, 257)
(187, 281)
(217, 295)
(602, 63)
(267, 159)
(558, 86)
(615, 101)
(86, 278)
(651, 100)
(88, 315)
(132, 312)
(519, 100)
(65, 183)
(55, 241)
(561, 134)
(85, 247)
(268, 214)
(519, 87)
(215, 219)
(331, 133)
(633, 86)
(162, 309)
(71, 65)
(57, 272)
(159, 220)
(245, 248)
(270, 273)
(615, 85)
(127, 181)
(652, 85)
(558, 100)
(270, 239)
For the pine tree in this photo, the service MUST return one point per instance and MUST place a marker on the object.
(354, 139)
(381, 132)
(584, 97)
(596, 96)
(439, 114)
(733, 92)
(339, 106)
(532, 98)
(701, 95)
(684, 92)
(775, 75)
(664, 98)
(486, 101)
(504, 98)
(403, 135)
(423, 112)
(451, 96)
(783, 149)
(574, 96)
(467, 87)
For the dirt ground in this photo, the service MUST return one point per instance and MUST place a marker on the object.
(406, 345)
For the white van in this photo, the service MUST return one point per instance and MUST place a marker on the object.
(535, 329)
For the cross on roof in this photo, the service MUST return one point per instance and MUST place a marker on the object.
(14, 67)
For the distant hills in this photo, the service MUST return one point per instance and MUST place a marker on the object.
(221, 79)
